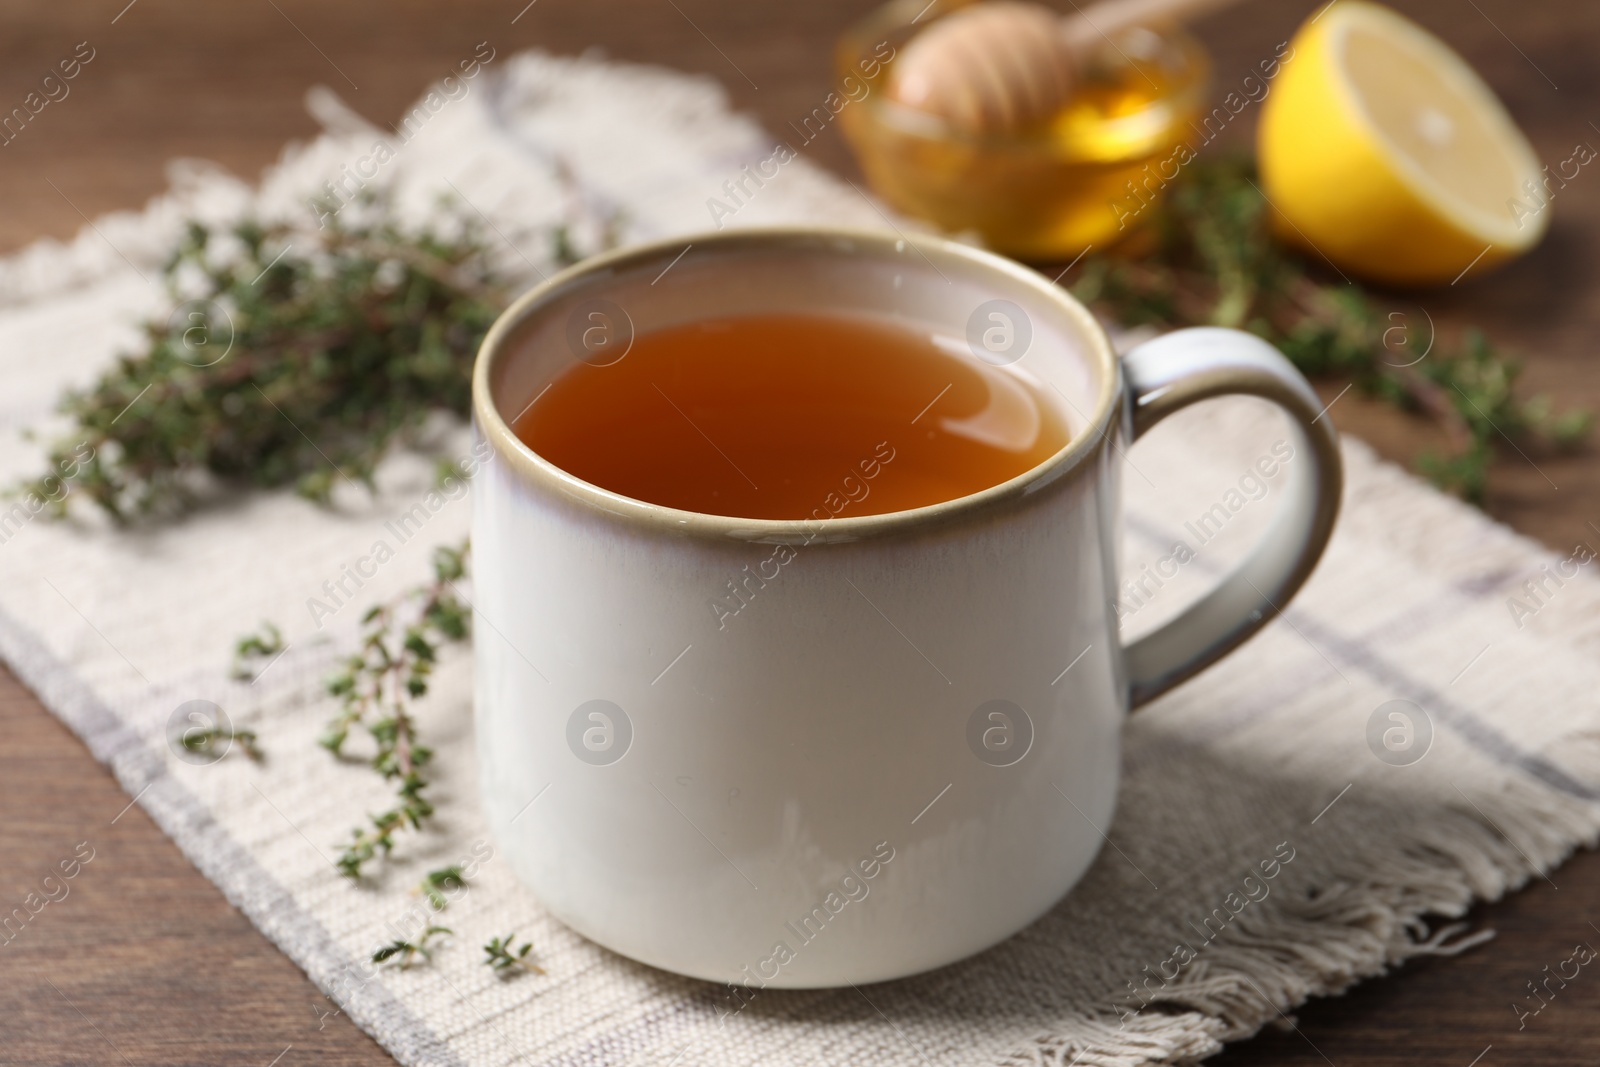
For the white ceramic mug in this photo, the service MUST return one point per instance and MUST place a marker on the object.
(870, 760)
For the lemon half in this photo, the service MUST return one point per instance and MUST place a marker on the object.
(1384, 152)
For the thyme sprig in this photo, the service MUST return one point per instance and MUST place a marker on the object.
(1210, 258)
(263, 644)
(405, 953)
(507, 960)
(292, 357)
(215, 741)
(377, 688)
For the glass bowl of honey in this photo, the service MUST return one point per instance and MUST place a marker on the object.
(1085, 177)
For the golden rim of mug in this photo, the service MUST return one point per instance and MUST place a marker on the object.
(1053, 471)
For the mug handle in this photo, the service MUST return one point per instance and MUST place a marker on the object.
(1182, 368)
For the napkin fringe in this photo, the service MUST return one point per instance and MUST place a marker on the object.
(1361, 926)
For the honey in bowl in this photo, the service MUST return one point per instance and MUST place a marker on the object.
(1082, 176)
(794, 416)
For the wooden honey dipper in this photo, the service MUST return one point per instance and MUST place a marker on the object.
(1003, 66)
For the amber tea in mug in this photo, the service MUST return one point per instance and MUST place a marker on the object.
(694, 721)
(763, 416)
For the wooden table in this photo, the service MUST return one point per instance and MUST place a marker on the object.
(145, 963)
